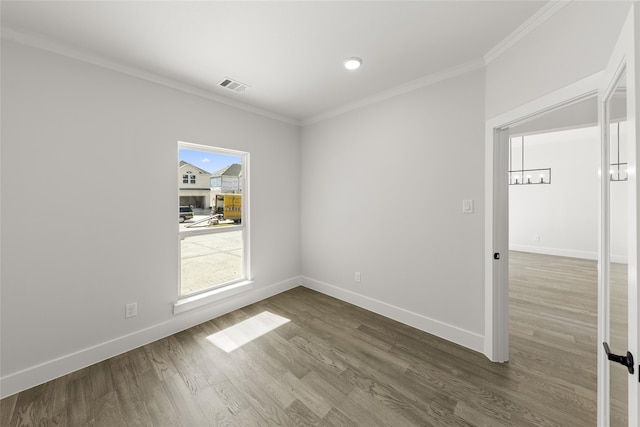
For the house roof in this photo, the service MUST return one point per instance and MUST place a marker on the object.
(200, 171)
(231, 170)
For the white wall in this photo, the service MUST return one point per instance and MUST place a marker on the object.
(67, 268)
(382, 191)
(571, 45)
(564, 214)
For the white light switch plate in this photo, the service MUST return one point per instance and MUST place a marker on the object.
(467, 206)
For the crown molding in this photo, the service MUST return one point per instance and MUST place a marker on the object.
(398, 90)
(542, 15)
(39, 42)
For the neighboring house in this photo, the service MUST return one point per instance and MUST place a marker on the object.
(227, 180)
(193, 183)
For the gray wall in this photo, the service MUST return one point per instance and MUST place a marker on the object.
(71, 130)
(382, 191)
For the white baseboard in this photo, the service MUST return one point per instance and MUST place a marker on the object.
(35, 375)
(571, 253)
(443, 330)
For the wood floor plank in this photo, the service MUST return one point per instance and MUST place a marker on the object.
(37, 404)
(270, 408)
(268, 380)
(100, 379)
(7, 407)
(335, 417)
(106, 411)
(188, 411)
(156, 400)
(78, 392)
(301, 415)
(128, 391)
(337, 399)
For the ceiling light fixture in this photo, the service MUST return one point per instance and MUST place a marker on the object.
(518, 176)
(352, 63)
(618, 171)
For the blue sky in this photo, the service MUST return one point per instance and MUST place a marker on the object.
(211, 162)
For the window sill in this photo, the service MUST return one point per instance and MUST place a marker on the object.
(210, 297)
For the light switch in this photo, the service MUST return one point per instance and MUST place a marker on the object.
(467, 206)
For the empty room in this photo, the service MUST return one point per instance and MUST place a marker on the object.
(300, 213)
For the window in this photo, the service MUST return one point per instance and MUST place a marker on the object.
(213, 242)
(188, 178)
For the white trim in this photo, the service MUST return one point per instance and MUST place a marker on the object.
(210, 297)
(33, 376)
(496, 345)
(205, 232)
(39, 42)
(527, 27)
(443, 330)
(496, 314)
(398, 90)
(625, 58)
(552, 130)
(573, 93)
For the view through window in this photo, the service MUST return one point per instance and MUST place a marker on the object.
(212, 233)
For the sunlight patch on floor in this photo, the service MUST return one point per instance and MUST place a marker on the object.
(246, 331)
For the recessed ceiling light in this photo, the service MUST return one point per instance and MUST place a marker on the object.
(352, 63)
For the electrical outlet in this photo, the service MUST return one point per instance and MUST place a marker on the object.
(536, 237)
(357, 277)
(131, 310)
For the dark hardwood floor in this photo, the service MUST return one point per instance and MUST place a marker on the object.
(334, 364)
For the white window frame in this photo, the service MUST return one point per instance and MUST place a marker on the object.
(225, 290)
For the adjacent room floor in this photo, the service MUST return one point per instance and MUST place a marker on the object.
(303, 358)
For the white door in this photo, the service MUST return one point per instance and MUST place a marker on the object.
(618, 300)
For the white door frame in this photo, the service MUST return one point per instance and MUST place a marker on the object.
(496, 343)
(624, 58)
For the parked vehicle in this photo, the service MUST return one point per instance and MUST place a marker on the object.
(227, 205)
(186, 212)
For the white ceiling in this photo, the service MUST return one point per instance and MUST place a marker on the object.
(289, 53)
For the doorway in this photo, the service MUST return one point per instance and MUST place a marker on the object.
(572, 106)
(497, 301)
(553, 251)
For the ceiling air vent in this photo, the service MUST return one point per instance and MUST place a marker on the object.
(233, 85)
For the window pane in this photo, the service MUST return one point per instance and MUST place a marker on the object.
(211, 243)
(210, 260)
